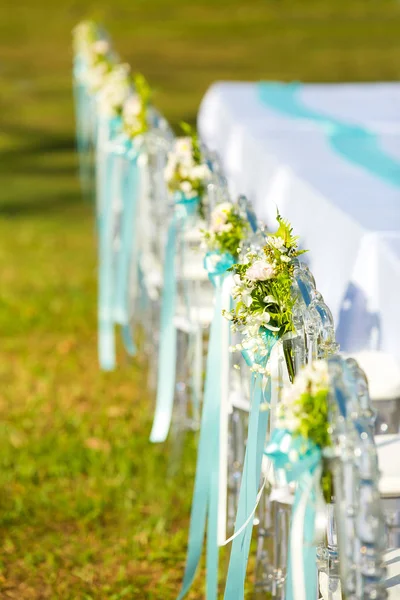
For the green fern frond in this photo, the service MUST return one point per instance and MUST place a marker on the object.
(285, 231)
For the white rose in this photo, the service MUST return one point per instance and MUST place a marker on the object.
(101, 47)
(132, 106)
(260, 270)
(186, 187)
(224, 207)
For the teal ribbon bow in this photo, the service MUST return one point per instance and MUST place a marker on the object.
(300, 459)
(206, 485)
(257, 431)
(115, 267)
(355, 143)
(184, 208)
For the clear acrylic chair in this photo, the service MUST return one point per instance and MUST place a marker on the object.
(356, 532)
(313, 338)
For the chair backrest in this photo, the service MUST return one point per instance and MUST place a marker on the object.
(359, 517)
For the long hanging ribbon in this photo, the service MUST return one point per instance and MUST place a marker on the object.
(106, 283)
(127, 251)
(167, 353)
(301, 460)
(257, 431)
(106, 130)
(82, 118)
(355, 143)
(205, 495)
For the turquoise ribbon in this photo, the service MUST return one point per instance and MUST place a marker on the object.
(114, 270)
(184, 207)
(110, 127)
(82, 119)
(106, 283)
(299, 458)
(206, 486)
(257, 431)
(355, 143)
(127, 252)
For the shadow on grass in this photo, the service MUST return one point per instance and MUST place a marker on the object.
(39, 204)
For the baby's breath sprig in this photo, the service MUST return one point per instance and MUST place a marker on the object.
(227, 230)
(187, 172)
(136, 108)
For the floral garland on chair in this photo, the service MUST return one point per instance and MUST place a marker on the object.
(301, 445)
(262, 290)
(186, 172)
(304, 412)
(96, 52)
(135, 111)
(227, 231)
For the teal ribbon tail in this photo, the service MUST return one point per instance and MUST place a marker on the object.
(356, 144)
(257, 431)
(82, 119)
(126, 255)
(309, 558)
(205, 494)
(106, 284)
(300, 459)
(247, 498)
(168, 335)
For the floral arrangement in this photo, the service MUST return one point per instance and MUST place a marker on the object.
(115, 91)
(186, 172)
(136, 108)
(96, 53)
(227, 230)
(263, 283)
(304, 411)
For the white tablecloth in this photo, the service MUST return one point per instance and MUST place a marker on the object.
(349, 218)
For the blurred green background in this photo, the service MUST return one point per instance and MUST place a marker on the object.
(88, 508)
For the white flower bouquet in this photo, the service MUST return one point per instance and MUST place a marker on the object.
(186, 172)
(304, 411)
(227, 230)
(135, 110)
(263, 285)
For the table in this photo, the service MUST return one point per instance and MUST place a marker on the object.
(346, 213)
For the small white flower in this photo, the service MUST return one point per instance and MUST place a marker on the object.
(285, 258)
(183, 146)
(201, 172)
(276, 242)
(269, 300)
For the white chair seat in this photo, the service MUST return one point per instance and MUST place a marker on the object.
(193, 235)
(389, 487)
(199, 317)
(194, 271)
(383, 374)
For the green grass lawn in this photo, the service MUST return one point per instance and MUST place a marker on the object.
(88, 508)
